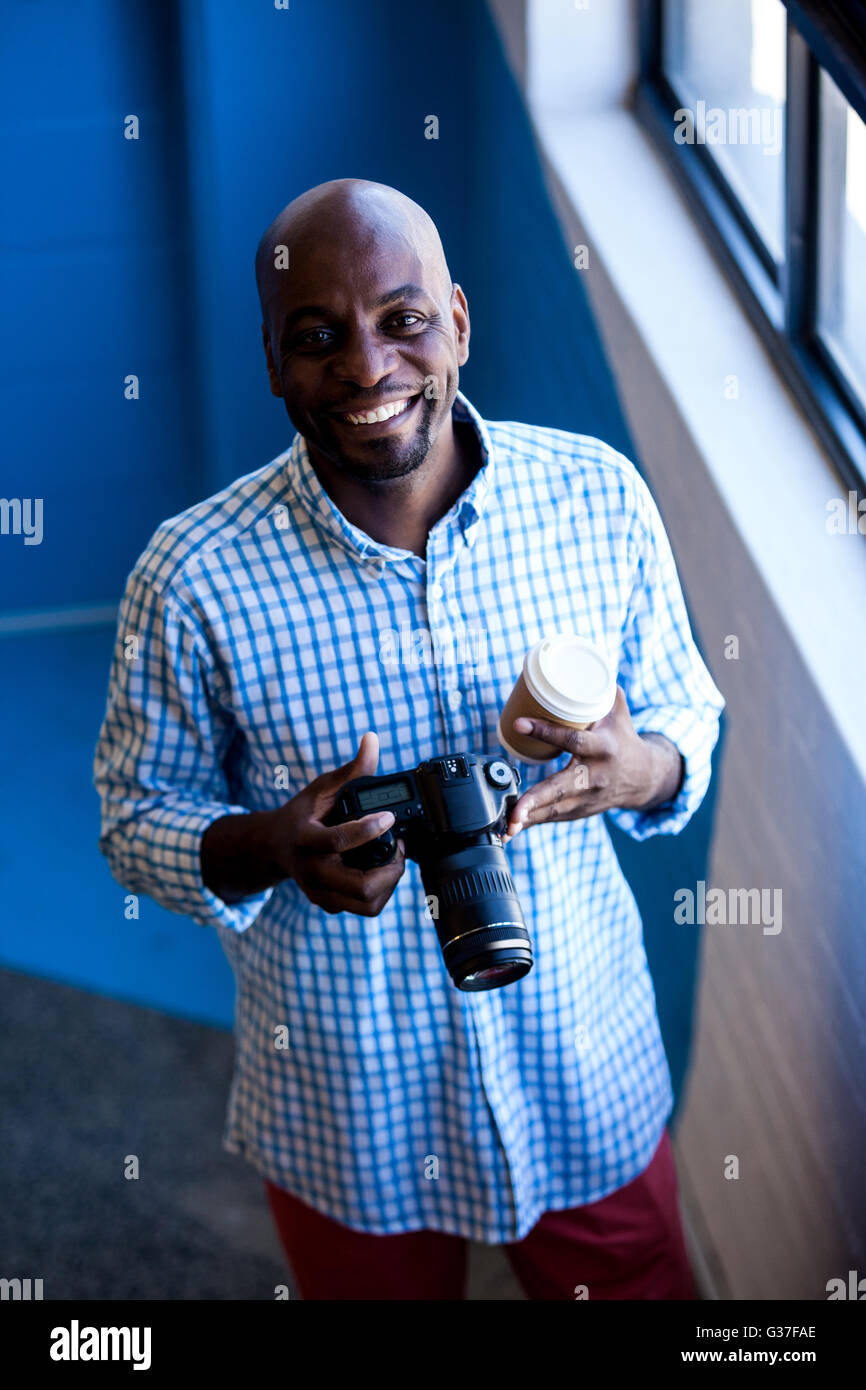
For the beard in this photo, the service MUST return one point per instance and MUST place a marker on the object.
(383, 459)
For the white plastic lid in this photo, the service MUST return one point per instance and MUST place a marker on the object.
(571, 677)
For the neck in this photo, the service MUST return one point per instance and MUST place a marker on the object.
(402, 511)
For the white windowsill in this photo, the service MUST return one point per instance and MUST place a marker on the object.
(768, 468)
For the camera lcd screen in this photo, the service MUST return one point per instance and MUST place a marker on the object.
(371, 798)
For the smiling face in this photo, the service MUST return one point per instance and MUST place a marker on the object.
(364, 333)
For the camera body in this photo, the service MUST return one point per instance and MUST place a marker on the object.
(450, 812)
(454, 795)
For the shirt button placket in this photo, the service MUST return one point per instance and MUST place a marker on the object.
(444, 657)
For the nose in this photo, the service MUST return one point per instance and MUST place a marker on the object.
(363, 358)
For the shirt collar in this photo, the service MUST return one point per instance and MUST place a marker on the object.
(467, 510)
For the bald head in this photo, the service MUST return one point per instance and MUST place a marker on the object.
(353, 212)
(360, 317)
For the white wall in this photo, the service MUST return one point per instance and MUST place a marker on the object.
(578, 59)
(780, 1048)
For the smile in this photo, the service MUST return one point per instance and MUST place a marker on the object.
(383, 412)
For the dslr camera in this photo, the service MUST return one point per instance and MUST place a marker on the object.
(450, 813)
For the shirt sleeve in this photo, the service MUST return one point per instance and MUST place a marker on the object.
(158, 765)
(666, 683)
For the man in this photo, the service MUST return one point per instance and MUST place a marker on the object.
(371, 594)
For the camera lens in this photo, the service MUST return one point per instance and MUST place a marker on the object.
(490, 976)
(479, 923)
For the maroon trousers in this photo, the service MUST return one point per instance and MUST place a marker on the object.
(628, 1245)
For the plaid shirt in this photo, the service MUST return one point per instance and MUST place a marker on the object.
(271, 633)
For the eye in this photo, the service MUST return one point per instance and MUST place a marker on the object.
(317, 337)
(400, 319)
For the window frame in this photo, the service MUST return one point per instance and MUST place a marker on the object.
(780, 301)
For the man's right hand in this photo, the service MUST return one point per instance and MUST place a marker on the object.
(246, 854)
(309, 851)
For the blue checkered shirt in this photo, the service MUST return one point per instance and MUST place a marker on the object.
(271, 633)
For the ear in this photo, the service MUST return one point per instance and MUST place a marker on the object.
(273, 376)
(460, 317)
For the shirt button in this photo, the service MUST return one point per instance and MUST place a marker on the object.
(455, 698)
(436, 591)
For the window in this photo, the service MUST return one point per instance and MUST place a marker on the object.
(730, 58)
(759, 107)
(841, 318)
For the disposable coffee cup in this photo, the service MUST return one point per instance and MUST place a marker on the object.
(565, 680)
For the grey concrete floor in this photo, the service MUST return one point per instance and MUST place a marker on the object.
(86, 1081)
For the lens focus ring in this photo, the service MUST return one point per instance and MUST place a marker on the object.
(476, 883)
(479, 923)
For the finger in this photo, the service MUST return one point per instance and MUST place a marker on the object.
(581, 743)
(371, 883)
(359, 890)
(620, 708)
(364, 764)
(323, 886)
(336, 839)
(569, 808)
(330, 871)
(338, 902)
(572, 784)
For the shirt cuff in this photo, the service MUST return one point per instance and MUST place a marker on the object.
(695, 740)
(171, 852)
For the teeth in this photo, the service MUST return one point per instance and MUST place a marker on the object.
(375, 417)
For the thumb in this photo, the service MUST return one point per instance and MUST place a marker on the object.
(364, 764)
(366, 760)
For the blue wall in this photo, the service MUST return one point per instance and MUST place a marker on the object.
(137, 256)
(281, 100)
(94, 264)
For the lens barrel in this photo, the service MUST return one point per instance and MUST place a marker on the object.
(479, 921)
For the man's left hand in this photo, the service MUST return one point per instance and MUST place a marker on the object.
(611, 765)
